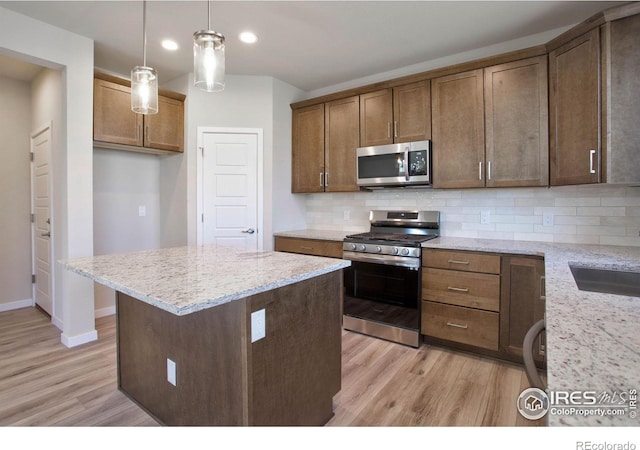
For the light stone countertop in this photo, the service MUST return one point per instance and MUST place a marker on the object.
(321, 235)
(593, 339)
(184, 280)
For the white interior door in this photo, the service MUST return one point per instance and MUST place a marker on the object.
(41, 198)
(230, 189)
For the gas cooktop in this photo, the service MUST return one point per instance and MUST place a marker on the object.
(390, 237)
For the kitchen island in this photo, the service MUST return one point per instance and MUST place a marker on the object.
(213, 335)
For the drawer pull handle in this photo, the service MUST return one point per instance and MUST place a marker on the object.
(457, 289)
(302, 247)
(453, 261)
(455, 325)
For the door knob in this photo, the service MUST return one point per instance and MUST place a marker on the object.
(249, 231)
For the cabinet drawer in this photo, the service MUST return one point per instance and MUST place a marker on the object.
(465, 261)
(475, 290)
(458, 324)
(332, 249)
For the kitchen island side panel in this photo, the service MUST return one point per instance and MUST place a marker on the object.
(296, 369)
(208, 348)
(288, 377)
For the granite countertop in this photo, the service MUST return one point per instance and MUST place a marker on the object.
(593, 339)
(184, 280)
(321, 235)
(593, 342)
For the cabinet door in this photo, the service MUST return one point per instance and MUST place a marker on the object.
(516, 123)
(164, 130)
(522, 303)
(458, 130)
(376, 118)
(307, 157)
(574, 111)
(341, 141)
(113, 120)
(412, 112)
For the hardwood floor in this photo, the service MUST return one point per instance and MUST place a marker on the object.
(43, 383)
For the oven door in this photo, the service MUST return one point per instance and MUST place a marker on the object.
(382, 293)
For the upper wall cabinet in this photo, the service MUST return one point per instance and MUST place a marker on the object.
(341, 120)
(458, 130)
(325, 138)
(623, 94)
(516, 123)
(399, 114)
(116, 126)
(307, 156)
(574, 102)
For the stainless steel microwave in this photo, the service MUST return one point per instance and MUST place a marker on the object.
(394, 165)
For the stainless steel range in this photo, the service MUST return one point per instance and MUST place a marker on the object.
(383, 284)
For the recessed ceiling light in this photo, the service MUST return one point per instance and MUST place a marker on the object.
(248, 37)
(169, 44)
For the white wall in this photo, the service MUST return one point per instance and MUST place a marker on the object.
(246, 102)
(15, 194)
(122, 183)
(52, 47)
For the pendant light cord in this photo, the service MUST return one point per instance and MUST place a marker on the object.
(144, 33)
(209, 15)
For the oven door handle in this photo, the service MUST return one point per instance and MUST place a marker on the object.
(389, 260)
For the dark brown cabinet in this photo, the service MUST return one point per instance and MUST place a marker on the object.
(516, 124)
(341, 141)
(458, 130)
(574, 104)
(324, 142)
(307, 156)
(522, 303)
(394, 115)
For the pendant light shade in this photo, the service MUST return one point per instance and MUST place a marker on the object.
(208, 58)
(144, 90)
(144, 80)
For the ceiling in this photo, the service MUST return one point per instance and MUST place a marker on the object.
(308, 44)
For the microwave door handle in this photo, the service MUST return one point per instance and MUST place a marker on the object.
(406, 163)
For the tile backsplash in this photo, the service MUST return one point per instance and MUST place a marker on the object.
(593, 214)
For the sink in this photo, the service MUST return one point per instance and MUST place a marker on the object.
(608, 281)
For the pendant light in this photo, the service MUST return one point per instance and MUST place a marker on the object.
(208, 58)
(144, 80)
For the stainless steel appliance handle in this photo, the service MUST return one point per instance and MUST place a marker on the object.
(389, 260)
(592, 169)
(406, 163)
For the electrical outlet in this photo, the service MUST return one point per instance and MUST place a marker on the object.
(547, 220)
(258, 325)
(346, 214)
(485, 217)
(142, 210)
(171, 371)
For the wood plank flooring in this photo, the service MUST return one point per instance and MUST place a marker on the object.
(43, 383)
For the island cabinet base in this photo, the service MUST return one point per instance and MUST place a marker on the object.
(288, 377)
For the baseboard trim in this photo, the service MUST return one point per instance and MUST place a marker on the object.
(103, 312)
(74, 341)
(19, 304)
